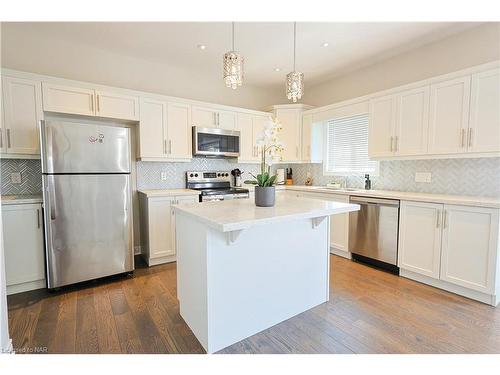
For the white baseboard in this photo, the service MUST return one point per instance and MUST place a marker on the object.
(341, 253)
(440, 284)
(24, 287)
(160, 260)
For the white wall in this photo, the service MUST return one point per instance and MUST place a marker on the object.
(474, 46)
(25, 50)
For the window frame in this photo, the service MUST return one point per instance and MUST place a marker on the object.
(327, 172)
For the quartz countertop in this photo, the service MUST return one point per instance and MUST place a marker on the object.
(21, 199)
(168, 192)
(404, 195)
(238, 214)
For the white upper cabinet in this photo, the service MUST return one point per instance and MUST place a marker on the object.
(152, 140)
(420, 238)
(382, 122)
(164, 130)
(306, 137)
(412, 122)
(204, 117)
(213, 118)
(22, 111)
(398, 124)
(449, 116)
(113, 105)
(68, 99)
(290, 135)
(469, 249)
(484, 124)
(179, 131)
(226, 120)
(247, 147)
(89, 102)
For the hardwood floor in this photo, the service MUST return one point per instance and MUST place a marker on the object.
(369, 311)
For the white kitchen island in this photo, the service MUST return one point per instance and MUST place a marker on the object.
(242, 269)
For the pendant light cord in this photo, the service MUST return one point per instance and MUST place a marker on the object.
(294, 42)
(233, 35)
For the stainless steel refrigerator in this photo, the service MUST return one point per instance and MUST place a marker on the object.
(86, 200)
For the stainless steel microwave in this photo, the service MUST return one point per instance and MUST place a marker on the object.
(215, 142)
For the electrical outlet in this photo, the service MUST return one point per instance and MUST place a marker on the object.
(163, 176)
(15, 177)
(423, 177)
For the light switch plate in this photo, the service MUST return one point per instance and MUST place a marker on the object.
(423, 177)
(15, 177)
(163, 176)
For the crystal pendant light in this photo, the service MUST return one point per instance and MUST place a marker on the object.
(233, 67)
(294, 80)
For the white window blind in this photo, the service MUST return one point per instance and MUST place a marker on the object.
(347, 146)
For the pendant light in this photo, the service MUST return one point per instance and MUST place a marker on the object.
(294, 79)
(233, 67)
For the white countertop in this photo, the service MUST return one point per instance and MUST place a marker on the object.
(238, 214)
(403, 195)
(168, 192)
(21, 199)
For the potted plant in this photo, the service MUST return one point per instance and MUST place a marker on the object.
(270, 150)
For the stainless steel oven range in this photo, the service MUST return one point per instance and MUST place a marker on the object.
(214, 186)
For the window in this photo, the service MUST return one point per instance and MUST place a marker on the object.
(347, 146)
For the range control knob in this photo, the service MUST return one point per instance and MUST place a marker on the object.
(227, 174)
(191, 175)
(196, 175)
(218, 174)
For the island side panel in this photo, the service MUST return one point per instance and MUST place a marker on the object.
(269, 274)
(191, 241)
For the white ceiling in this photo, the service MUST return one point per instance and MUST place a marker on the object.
(263, 45)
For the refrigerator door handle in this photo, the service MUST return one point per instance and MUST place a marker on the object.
(52, 191)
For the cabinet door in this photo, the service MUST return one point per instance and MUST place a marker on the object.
(449, 116)
(23, 243)
(179, 200)
(247, 145)
(381, 125)
(204, 117)
(420, 238)
(22, 106)
(290, 133)
(412, 122)
(470, 236)
(226, 120)
(339, 226)
(161, 240)
(484, 126)
(114, 105)
(306, 137)
(258, 124)
(179, 131)
(66, 99)
(152, 137)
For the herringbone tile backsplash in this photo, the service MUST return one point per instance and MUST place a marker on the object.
(477, 177)
(31, 176)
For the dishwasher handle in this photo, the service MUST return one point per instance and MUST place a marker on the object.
(377, 201)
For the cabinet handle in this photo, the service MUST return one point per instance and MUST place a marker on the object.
(462, 137)
(164, 146)
(396, 144)
(296, 151)
(98, 104)
(92, 102)
(470, 137)
(214, 115)
(38, 217)
(445, 219)
(218, 123)
(392, 143)
(8, 138)
(169, 146)
(1, 138)
(438, 221)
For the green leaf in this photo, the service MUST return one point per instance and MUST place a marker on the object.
(271, 180)
(250, 182)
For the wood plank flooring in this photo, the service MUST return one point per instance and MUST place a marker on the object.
(369, 311)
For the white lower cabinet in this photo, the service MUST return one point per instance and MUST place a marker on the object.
(453, 247)
(158, 227)
(23, 247)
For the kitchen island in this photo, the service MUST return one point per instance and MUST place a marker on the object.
(242, 269)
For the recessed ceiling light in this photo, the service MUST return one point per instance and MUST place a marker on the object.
(277, 69)
(202, 46)
(326, 44)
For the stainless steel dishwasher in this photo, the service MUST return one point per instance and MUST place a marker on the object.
(373, 232)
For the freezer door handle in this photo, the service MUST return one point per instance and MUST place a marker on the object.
(52, 200)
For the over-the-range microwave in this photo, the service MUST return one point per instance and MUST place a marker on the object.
(215, 142)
